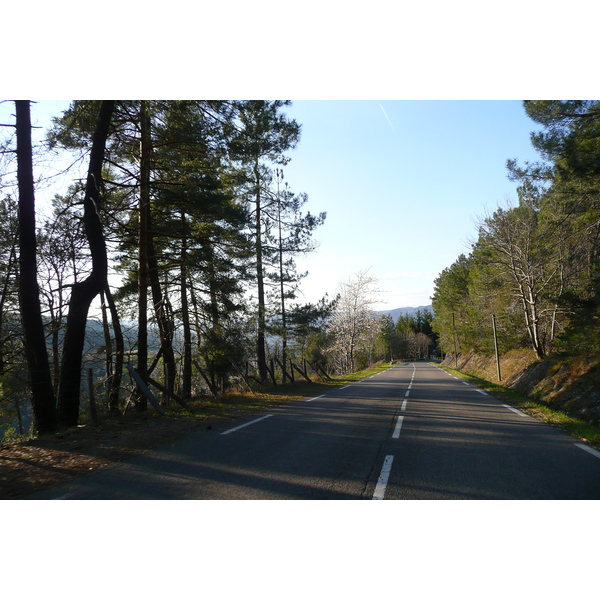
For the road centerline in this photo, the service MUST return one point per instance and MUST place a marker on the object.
(383, 478)
(396, 434)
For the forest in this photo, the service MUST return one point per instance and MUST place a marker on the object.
(169, 261)
(533, 273)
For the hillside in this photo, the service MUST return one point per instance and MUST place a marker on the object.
(405, 310)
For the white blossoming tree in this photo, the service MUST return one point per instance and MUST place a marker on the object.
(353, 326)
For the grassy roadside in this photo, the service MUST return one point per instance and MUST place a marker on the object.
(236, 405)
(538, 409)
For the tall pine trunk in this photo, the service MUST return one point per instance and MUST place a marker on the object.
(3, 298)
(117, 376)
(215, 328)
(260, 341)
(186, 390)
(107, 337)
(85, 291)
(42, 393)
(144, 207)
(159, 301)
(282, 289)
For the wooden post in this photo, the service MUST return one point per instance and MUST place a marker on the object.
(93, 411)
(145, 391)
(283, 369)
(211, 387)
(315, 371)
(455, 351)
(244, 377)
(316, 368)
(303, 373)
(165, 391)
(496, 348)
(271, 373)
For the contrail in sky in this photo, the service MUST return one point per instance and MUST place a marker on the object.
(388, 119)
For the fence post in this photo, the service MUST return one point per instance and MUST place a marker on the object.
(496, 348)
(93, 411)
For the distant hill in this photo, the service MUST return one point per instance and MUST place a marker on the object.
(405, 310)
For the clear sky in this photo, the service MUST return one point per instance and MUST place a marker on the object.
(402, 183)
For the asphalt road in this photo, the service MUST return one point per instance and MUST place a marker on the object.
(410, 432)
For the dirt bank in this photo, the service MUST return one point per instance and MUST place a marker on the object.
(570, 384)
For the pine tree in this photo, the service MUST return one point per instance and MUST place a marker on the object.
(43, 400)
(264, 135)
(85, 291)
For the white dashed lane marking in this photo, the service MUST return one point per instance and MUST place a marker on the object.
(396, 433)
(383, 478)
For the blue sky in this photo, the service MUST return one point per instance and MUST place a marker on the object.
(402, 183)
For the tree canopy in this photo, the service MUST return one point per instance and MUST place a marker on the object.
(535, 263)
(181, 231)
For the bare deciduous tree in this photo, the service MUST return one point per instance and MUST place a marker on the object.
(515, 243)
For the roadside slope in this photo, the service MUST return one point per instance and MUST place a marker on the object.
(568, 384)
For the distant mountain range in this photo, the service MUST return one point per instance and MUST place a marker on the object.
(405, 310)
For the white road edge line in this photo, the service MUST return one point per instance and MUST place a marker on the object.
(245, 424)
(588, 449)
(396, 434)
(521, 414)
(383, 478)
(407, 393)
(482, 392)
(403, 407)
(346, 386)
(315, 398)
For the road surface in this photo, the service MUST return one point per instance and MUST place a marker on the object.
(412, 432)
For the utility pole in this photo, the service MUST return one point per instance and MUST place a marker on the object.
(455, 352)
(496, 347)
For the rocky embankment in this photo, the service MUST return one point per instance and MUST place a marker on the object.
(570, 384)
